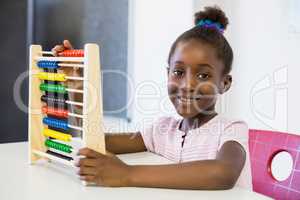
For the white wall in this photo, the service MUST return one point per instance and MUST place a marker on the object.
(156, 25)
(265, 88)
(265, 91)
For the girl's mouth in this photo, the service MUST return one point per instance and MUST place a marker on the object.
(188, 100)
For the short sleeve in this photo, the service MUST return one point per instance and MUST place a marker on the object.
(147, 135)
(235, 131)
(155, 134)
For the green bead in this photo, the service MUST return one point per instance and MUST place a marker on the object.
(58, 146)
(53, 88)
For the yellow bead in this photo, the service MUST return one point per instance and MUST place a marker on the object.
(51, 76)
(57, 135)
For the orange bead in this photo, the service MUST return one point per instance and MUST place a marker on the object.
(72, 53)
(55, 111)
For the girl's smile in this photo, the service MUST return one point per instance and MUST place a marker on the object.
(188, 99)
(194, 78)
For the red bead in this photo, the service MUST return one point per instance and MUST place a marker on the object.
(72, 53)
(55, 111)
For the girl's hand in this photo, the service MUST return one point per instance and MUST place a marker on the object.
(61, 47)
(69, 71)
(103, 170)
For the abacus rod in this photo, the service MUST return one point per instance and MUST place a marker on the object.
(70, 65)
(74, 103)
(65, 101)
(54, 158)
(74, 90)
(75, 115)
(60, 59)
(74, 78)
(71, 155)
(75, 127)
(47, 52)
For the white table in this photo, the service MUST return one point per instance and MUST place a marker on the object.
(46, 181)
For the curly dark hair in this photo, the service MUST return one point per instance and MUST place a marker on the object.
(210, 36)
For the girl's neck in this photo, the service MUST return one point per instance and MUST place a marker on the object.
(195, 122)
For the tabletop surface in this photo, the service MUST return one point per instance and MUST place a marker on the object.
(47, 181)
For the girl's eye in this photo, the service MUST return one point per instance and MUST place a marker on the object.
(203, 76)
(177, 73)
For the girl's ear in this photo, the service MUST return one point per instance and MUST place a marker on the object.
(226, 83)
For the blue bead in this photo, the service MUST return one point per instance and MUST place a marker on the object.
(56, 123)
(47, 64)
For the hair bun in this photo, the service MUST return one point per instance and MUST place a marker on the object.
(214, 14)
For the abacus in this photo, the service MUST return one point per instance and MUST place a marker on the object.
(48, 117)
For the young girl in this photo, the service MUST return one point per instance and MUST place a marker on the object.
(209, 151)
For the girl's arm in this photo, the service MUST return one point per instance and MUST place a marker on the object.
(124, 143)
(217, 174)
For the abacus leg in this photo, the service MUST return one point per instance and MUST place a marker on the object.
(35, 126)
(93, 134)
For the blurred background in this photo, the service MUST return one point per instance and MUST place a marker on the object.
(135, 37)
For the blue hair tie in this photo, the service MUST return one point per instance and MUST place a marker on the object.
(207, 23)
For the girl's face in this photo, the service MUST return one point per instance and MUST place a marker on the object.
(195, 77)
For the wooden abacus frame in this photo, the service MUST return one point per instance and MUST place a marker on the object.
(92, 129)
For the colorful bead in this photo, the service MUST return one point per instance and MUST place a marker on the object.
(72, 53)
(58, 146)
(48, 64)
(55, 112)
(51, 76)
(53, 88)
(59, 155)
(57, 135)
(56, 123)
(53, 100)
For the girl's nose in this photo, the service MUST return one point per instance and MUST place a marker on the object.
(188, 84)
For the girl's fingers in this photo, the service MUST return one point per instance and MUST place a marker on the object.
(88, 178)
(87, 171)
(86, 162)
(67, 44)
(109, 154)
(57, 49)
(89, 153)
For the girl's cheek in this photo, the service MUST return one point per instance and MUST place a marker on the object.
(172, 85)
(208, 88)
(172, 91)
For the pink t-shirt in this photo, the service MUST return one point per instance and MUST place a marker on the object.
(163, 137)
